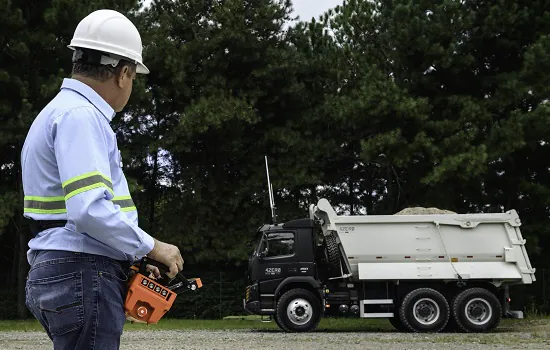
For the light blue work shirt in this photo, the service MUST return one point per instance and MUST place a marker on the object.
(72, 170)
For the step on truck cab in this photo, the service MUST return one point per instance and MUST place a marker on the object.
(425, 273)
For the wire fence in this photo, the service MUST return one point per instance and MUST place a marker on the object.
(223, 290)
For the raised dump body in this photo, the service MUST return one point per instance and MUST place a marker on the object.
(429, 247)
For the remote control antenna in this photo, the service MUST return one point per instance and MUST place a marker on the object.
(271, 197)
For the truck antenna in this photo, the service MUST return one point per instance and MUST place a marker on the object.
(271, 198)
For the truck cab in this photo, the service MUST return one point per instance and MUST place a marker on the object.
(282, 269)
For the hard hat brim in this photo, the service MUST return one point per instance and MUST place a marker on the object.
(140, 67)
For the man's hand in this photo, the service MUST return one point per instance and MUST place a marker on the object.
(169, 255)
(153, 271)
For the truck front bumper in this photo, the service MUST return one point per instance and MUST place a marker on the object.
(252, 307)
(251, 301)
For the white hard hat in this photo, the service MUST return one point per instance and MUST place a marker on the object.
(110, 32)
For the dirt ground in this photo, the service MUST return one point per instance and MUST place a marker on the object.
(535, 336)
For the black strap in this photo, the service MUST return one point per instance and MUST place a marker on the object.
(38, 226)
(87, 56)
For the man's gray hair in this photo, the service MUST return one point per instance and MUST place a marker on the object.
(86, 63)
(101, 73)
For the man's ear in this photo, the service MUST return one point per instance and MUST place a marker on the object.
(124, 76)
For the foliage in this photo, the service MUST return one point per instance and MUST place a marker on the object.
(376, 106)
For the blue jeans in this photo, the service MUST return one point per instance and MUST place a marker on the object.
(78, 298)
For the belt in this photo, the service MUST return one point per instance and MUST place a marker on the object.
(37, 226)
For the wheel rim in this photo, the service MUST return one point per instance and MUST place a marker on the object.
(299, 311)
(426, 311)
(478, 311)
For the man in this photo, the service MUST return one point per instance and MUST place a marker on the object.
(84, 221)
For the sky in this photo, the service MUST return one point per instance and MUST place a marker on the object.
(306, 9)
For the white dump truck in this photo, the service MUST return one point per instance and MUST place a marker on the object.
(425, 273)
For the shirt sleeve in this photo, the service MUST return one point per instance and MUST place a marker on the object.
(82, 150)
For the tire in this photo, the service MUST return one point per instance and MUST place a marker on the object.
(424, 310)
(476, 310)
(333, 256)
(450, 327)
(298, 310)
(397, 324)
(280, 323)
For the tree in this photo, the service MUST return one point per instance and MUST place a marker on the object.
(472, 79)
(225, 86)
(375, 106)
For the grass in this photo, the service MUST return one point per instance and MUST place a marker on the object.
(535, 326)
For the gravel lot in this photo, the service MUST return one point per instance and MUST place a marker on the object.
(274, 339)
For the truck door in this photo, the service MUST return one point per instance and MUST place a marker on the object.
(275, 257)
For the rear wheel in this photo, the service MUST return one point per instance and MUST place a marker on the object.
(424, 310)
(298, 310)
(451, 326)
(476, 310)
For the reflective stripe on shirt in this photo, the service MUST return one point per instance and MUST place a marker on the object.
(38, 205)
(125, 202)
(56, 205)
(81, 183)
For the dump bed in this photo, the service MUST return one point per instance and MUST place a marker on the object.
(423, 247)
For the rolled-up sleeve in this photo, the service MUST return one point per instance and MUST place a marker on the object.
(81, 147)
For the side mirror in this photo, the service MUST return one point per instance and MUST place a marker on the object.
(262, 254)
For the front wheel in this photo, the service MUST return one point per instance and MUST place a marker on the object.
(298, 310)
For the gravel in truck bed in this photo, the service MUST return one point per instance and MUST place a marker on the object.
(274, 339)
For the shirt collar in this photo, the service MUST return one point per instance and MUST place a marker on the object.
(90, 94)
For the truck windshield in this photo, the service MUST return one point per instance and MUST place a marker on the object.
(276, 244)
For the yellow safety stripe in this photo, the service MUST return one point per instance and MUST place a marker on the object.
(85, 183)
(44, 205)
(56, 205)
(125, 202)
